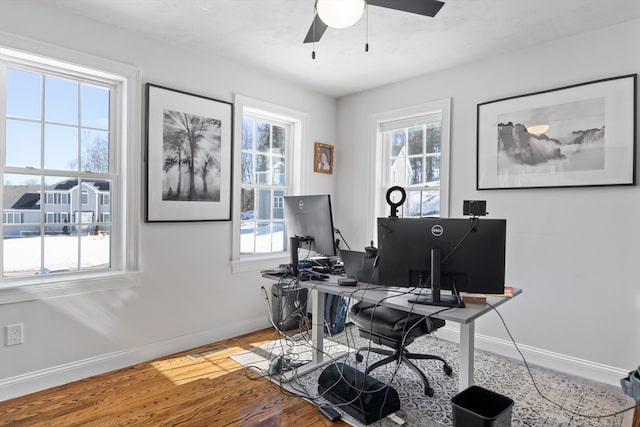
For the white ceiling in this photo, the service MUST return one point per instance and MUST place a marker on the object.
(268, 34)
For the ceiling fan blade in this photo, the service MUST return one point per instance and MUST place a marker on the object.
(421, 7)
(316, 30)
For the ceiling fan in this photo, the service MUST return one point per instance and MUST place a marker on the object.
(348, 12)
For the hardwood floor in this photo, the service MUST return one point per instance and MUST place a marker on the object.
(200, 387)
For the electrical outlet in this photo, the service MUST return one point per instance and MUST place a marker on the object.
(14, 334)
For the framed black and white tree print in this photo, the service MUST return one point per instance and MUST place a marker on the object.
(579, 135)
(189, 156)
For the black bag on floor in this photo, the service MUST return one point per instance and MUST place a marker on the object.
(363, 397)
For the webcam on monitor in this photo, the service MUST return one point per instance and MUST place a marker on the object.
(474, 207)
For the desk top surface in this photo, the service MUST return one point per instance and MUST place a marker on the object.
(399, 298)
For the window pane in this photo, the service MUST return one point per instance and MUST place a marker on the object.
(277, 170)
(278, 205)
(21, 251)
(263, 237)
(95, 248)
(431, 203)
(279, 136)
(247, 134)
(278, 237)
(21, 195)
(262, 169)
(247, 198)
(264, 204)
(95, 107)
(434, 132)
(412, 205)
(60, 250)
(399, 172)
(416, 141)
(60, 147)
(415, 166)
(263, 131)
(432, 164)
(60, 100)
(95, 151)
(23, 94)
(398, 141)
(247, 168)
(23, 144)
(247, 225)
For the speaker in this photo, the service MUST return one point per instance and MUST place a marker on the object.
(363, 397)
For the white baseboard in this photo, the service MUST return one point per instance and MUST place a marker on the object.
(536, 356)
(31, 382)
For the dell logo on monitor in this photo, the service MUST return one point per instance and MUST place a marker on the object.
(437, 230)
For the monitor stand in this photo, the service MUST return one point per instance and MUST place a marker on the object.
(294, 246)
(434, 297)
(441, 301)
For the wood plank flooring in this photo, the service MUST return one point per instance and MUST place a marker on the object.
(200, 387)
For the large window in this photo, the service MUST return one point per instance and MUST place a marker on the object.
(413, 152)
(264, 183)
(268, 167)
(63, 138)
(414, 162)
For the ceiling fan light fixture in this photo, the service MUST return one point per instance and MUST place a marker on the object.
(340, 13)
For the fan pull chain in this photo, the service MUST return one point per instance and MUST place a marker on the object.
(313, 52)
(366, 37)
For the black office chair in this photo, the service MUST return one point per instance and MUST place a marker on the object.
(396, 329)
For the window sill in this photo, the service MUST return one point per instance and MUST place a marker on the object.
(68, 286)
(258, 263)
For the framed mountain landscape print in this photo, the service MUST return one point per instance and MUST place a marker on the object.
(579, 135)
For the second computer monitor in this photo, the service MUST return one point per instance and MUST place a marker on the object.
(471, 253)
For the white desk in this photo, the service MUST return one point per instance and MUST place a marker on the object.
(373, 293)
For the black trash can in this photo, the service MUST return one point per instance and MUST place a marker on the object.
(479, 407)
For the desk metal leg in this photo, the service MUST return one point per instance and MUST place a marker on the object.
(317, 326)
(467, 335)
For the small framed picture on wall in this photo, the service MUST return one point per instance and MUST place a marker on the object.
(323, 158)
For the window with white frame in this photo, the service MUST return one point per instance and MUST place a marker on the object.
(265, 143)
(62, 134)
(268, 168)
(413, 152)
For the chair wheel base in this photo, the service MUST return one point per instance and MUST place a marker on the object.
(359, 357)
(447, 370)
(428, 391)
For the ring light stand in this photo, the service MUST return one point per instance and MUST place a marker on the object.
(395, 206)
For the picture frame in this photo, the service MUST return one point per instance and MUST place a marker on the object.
(323, 158)
(573, 136)
(188, 156)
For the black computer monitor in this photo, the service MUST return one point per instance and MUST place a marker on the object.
(309, 223)
(456, 254)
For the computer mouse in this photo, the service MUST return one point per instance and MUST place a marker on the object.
(347, 281)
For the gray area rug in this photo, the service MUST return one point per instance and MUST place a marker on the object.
(496, 373)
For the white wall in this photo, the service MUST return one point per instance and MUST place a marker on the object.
(188, 295)
(574, 251)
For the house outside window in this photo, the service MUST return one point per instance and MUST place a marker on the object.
(63, 139)
(413, 153)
